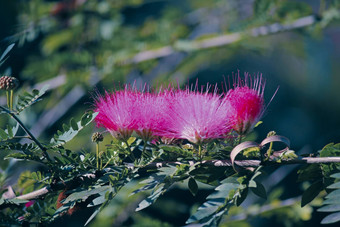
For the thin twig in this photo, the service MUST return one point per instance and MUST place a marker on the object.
(22, 137)
(44, 150)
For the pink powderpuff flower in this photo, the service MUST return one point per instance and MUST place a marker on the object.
(196, 116)
(149, 114)
(246, 103)
(123, 112)
(116, 112)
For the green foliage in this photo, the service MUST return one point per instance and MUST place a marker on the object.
(31, 181)
(71, 130)
(256, 187)
(159, 183)
(332, 202)
(319, 174)
(218, 203)
(310, 173)
(8, 133)
(28, 151)
(28, 99)
(192, 185)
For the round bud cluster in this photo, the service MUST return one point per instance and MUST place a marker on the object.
(8, 83)
(97, 137)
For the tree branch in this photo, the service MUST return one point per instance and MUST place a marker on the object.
(219, 40)
(75, 182)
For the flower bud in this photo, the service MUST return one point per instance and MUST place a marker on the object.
(97, 137)
(8, 83)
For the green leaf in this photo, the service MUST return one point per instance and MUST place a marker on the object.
(13, 201)
(74, 124)
(151, 199)
(159, 182)
(311, 193)
(332, 218)
(310, 173)
(94, 214)
(335, 175)
(8, 49)
(28, 99)
(97, 201)
(28, 149)
(8, 133)
(330, 201)
(170, 148)
(155, 179)
(66, 127)
(227, 186)
(87, 118)
(258, 189)
(69, 133)
(241, 196)
(17, 155)
(334, 186)
(102, 198)
(84, 194)
(193, 187)
(207, 209)
(131, 140)
(3, 134)
(330, 208)
(330, 150)
(334, 195)
(217, 204)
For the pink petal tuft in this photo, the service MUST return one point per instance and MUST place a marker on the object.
(196, 116)
(246, 104)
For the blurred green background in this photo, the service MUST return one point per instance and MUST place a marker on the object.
(80, 47)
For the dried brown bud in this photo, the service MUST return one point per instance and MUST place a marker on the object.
(8, 83)
(97, 137)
